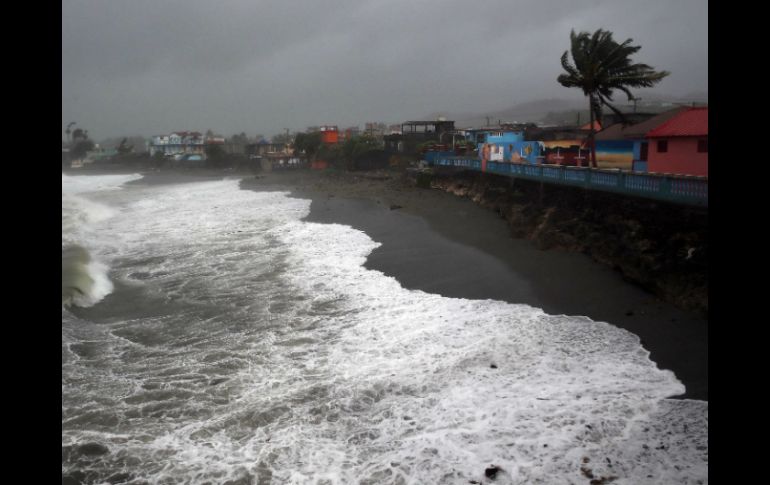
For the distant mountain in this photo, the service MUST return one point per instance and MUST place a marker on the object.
(566, 111)
(531, 111)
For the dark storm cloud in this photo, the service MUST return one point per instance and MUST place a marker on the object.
(145, 66)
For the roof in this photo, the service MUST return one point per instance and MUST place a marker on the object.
(639, 130)
(587, 126)
(429, 122)
(692, 122)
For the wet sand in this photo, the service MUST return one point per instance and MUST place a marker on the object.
(440, 243)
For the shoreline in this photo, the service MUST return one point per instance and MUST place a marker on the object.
(439, 243)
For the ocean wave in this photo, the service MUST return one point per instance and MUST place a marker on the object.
(85, 281)
(293, 363)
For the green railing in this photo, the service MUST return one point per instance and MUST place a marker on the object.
(682, 189)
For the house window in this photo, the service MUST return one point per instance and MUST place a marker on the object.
(703, 146)
(662, 146)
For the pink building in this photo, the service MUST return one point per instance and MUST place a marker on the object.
(680, 145)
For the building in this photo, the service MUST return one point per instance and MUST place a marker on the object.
(504, 145)
(680, 145)
(329, 134)
(415, 133)
(263, 148)
(627, 147)
(349, 132)
(561, 145)
(177, 143)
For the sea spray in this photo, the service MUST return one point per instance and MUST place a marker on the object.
(84, 281)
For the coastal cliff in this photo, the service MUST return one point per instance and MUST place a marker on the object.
(659, 246)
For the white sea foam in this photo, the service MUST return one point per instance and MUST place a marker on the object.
(336, 374)
(76, 184)
(79, 216)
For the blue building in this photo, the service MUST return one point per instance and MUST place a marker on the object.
(498, 145)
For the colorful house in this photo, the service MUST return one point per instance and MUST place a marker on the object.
(502, 145)
(680, 145)
(179, 142)
(561, 145)
(329, 134)
(626, 147)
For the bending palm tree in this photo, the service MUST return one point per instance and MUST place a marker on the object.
(601, 66)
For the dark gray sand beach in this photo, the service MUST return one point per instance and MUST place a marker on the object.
(439, 243)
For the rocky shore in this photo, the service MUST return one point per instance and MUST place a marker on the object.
(661, 247)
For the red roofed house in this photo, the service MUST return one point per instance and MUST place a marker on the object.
(680, 145)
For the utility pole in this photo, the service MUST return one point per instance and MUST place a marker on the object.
(635, 100)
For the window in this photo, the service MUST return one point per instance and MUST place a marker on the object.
(662, 146)
(703, 146)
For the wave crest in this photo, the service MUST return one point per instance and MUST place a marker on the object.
(84, 281)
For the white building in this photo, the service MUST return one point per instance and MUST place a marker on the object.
(177, 143)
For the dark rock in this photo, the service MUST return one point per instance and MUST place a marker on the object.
(586, 472)
(395, 206)
(647, 241)
(491, 471)
(493, 366)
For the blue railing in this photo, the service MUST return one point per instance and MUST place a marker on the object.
(683, 189)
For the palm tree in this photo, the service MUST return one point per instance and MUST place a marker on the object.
(601, 65)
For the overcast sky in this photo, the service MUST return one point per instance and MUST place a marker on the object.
(154, 66)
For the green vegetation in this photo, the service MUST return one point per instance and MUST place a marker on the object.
(81, 144)
(359, 145)
(601, 65)
(215, 156)
(308, 143)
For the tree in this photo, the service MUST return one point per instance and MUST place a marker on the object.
(80, 148)
(283, 138)
(80, 144)
(601, 65)
(308, 143)
(68, 131)
(124, 147)
(358, 145)
(215, 153)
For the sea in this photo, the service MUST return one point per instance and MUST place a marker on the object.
(211, 335)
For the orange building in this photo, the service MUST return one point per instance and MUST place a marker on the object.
(330, 134)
